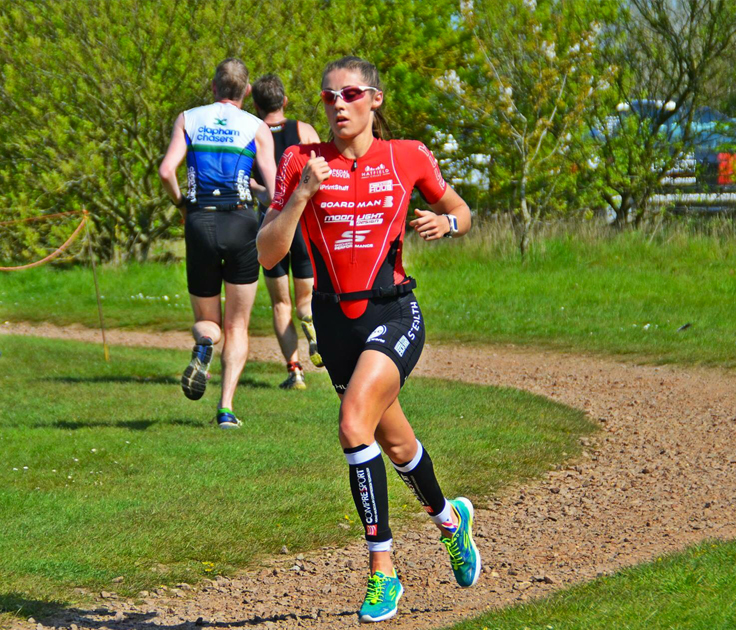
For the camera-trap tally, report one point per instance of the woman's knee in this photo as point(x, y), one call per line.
point(354, 429)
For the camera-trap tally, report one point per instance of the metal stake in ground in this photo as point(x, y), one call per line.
point(106, 350)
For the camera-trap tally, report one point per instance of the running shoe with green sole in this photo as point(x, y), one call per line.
point(381, 600)
point(464, 556)
point(194, 379)
point(314, 356)
point(226, 419)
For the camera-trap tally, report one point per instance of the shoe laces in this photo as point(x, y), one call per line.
point(376, 585)
point(456, 556)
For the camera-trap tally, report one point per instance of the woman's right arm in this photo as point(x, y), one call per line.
point(278, 228)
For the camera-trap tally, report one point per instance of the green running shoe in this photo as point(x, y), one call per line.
point(464, 556)
point(382, 598)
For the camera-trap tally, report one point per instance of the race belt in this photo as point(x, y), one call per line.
point(394, 290)
point(222, 207)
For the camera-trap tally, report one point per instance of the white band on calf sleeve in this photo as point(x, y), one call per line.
point(414, 461)
point(380, 546)
point(363, 455)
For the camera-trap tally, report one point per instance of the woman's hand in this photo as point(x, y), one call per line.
point(429, 225)
point(316, 170)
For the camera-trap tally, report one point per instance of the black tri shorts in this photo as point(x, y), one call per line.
point(297, 259)
point(221, 245)
point(393, 326)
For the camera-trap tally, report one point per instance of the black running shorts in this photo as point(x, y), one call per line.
point(220, 246)
point(297, 259)
point(393, 326)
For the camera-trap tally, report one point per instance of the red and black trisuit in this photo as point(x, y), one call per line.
point(354, 228)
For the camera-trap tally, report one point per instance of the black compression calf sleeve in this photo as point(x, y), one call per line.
point(370, 493)
point(418, 475)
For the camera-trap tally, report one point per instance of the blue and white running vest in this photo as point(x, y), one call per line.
point(221, 147)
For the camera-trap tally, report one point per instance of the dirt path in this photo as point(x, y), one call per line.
point(661, 475)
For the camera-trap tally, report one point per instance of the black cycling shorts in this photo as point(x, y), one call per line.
point(393, 326)
point(297, 259)
point(220, 246)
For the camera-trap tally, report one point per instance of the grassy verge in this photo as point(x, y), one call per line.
point(134, 296)
point(597, 291)
point(694, 590)
point(593, 291)
point(109, 471)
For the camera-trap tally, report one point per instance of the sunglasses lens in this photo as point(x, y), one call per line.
point(351, 94)
point(328, 97)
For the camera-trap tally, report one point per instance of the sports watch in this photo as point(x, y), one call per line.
point(453, 225)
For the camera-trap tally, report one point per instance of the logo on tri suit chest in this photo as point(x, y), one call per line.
point(339, 218)
point(361, 204)
point(339, 173)
point(344, 188)
point(375, 218)
point(377, 187)
point(353, 237)
point(375, 171)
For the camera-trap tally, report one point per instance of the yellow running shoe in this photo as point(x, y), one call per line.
point(295, 379)
point(311, 335)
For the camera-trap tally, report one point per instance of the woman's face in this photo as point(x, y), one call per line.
point(348, 120)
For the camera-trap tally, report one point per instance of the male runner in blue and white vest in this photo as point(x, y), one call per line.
point(270, 100)
point(221, 143)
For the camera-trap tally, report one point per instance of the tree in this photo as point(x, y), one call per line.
point(523, 95)
point(93, 87)
point(664, 57)
point(90, 88)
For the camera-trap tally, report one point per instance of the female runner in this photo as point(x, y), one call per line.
point(351, 196)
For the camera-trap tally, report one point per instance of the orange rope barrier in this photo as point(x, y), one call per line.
point(41, 218)
point(54, 254)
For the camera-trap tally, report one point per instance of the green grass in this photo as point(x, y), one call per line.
point(694, 590)
point(622, 294)
point(107, 470)
point(152, 296)
point(608, 293)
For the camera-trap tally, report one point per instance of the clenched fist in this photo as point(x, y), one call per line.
point(315, 172)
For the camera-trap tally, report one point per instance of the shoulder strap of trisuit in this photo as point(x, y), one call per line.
point(283, 139)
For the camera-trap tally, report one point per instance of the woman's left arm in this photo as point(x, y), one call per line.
point(431, 224)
